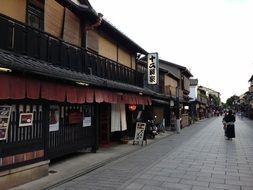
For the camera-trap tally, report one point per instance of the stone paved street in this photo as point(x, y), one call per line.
point(197, 159)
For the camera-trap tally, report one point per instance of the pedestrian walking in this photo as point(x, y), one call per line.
point(229, 120)
point(224, 124)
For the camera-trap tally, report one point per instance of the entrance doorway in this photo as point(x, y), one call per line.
point(104, 123)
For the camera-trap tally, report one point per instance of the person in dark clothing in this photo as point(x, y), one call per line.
point(224, 124)
point(147, 117)
point(230, 125)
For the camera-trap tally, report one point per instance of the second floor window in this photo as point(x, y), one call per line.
point(35, 14)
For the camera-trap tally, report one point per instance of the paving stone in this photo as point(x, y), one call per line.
point(156, 188)
point(246, 188)
point(147, 176)
point(225, 186)
point(149, 182)
point(167, 179)
point(239, 174)
point(225, 176)
point(195, 182)
point(239, 182)
point(210, 179)
point(177, 186)
point(246, 178)
point(134, 186)
point(203, 188)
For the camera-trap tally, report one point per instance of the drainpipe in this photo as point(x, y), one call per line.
point(63, 23)
point(96, 24)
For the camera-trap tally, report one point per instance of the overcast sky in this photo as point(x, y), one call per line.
point(212, 38)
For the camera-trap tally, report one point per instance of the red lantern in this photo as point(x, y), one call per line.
point(132, 107)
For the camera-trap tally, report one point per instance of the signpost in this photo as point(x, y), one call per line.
point(139, 133)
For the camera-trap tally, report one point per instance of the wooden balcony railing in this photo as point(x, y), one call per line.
point(23, 39)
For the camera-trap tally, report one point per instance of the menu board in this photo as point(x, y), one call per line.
point(139, 132)
point(54, 114)
point(5, 113)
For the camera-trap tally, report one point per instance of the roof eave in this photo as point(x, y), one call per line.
point(109, 29)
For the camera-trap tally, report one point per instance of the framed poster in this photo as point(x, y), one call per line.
point(3, 134)
point(139, 131)
point(5, 113)
point(54, 114)
point(4, 122)
point(25, 119)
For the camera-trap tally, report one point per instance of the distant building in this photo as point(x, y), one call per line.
point(204, 101)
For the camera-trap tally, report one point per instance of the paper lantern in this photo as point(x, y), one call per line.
point(132, 107)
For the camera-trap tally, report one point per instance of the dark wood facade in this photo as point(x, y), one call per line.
point(54, 64)
point(23, 39)
point(71, 80)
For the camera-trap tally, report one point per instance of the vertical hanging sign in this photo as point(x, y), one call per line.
point(153, 68)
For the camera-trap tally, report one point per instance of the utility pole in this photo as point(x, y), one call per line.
point(177, 111)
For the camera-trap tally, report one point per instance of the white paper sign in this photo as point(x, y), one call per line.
point(86, 121)
point(54, 118)
point(139, 131)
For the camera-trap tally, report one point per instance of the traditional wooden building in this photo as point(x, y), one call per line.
point(160, 100)
point(198, 102)
point(67, 77)
point(204, 102)
point(177, 86)
point(173, 85)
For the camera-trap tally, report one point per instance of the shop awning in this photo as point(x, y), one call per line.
point(161, 101)
point(16, 87)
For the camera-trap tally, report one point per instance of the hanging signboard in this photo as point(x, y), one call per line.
point(25, 119)
point(75, 117)
point(5, 113)
point(139, 132)
point(153, 68)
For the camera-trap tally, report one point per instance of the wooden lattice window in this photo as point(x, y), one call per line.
point(35, 13)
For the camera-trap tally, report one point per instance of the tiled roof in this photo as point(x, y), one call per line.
point(251, 79)
point(22, 63)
